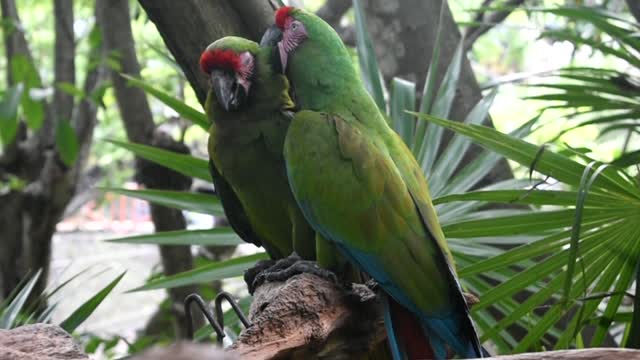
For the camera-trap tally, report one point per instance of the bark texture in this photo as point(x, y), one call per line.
point(140, 128)
point(404, 36)
point(200, 22)
point(28, 216)
point(307, 317)
point(39, 342)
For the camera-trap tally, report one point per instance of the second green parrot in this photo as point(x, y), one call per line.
point(371, 198)
point(249, 106)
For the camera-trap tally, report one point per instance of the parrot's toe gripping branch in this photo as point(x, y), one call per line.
point(217, 321)
point(251, 274)
point(289, 267)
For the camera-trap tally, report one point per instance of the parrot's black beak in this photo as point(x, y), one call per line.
point(231, 96)
point(271, 38)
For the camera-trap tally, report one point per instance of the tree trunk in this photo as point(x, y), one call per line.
point(404, 36)
point(188, 26)
point(140, 128)
point(28, 216)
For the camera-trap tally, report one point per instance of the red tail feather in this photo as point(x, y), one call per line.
point(409, 332)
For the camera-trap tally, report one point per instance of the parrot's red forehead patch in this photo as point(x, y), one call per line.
point(282, 14)
point(220, 59)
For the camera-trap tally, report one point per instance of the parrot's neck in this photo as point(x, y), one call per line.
point(321, 74)
point(332, 85)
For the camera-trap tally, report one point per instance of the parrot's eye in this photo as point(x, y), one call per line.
point(294, 26)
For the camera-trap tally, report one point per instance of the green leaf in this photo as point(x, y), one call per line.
point(200, 203)
point(369, 69)
point(633, 340)
point(95, 37)
point(205, 274)
point(550, 163)
point(452, 156)
point(441, 108)
point(625, 272)
point(186, 111)
point(428, 92)
point(403, 98)
point(71, 89)
point(98, 93)
point(530, 223)
point(599, 19)
point(166, 57)
point(25, 72)
point(533, 197)
point(182, 163)
point(9, 113)
point(85, 310)
point(9, 314)
point(583, 190)
point(215, 237)
point(67, 142)
point(627, 159)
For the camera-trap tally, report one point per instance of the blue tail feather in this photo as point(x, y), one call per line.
point(440, 330)
point(391, 334)
point(448, 330)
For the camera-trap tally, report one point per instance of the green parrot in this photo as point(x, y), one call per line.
point(250, 110)
point(360, 187)
point(249, 107)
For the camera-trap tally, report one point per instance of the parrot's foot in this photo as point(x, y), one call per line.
point(287, 268)
point(251, 274)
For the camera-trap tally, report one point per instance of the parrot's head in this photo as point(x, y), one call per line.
point(313, 56)
point(291, 21)
point(229, 64)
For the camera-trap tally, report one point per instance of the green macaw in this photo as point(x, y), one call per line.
point(249, 106)
point(250, 110)
point(360, 187)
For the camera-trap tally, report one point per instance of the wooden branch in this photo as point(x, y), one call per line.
point(308, 317)
point(489, 21)
point(140, 128)
point(132, 102)
point(64, 64)
point(15, 41)
point(583, 354)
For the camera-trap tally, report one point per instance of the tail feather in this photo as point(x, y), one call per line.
point(450, 331)
point(412, 337)
point(407, 338)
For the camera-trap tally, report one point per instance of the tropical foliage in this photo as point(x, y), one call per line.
point(560, 253)
point(15, 310)
point(606, 97)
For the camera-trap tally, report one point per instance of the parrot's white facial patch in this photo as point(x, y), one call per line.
point(245, 70)
point(294, 34)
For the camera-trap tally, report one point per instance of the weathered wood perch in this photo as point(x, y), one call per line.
point(307, 317)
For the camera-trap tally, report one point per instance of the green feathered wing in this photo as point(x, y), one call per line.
point(373, 202)
point(360, 187)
